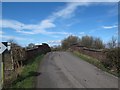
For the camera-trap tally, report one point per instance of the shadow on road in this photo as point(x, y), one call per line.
point(31, 74)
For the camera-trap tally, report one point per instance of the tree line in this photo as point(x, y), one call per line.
point(88, 41)
point(111, 50)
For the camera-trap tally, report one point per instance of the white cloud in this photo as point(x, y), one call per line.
point(54, 42)
point(12, 37)
point(1, 32)
point(27, 28)
point(30, 28)
point(82, 33)
point(109, 27)
point(102, 28)
point(38, 43)
point(11, 24)
point(51, 42)
point(43, 26)
point(69, 9)
point(47, 24)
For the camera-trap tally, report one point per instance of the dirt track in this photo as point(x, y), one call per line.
point(63, 70)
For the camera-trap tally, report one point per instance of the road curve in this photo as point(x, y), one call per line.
point(63, 70)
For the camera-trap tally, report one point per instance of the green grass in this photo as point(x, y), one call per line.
point(27, 79)
point(94, 61)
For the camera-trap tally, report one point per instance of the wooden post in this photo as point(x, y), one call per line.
point(2, 71)
point(3, 48)
point(3, 68)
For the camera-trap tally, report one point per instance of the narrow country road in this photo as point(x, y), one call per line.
point(63, 70)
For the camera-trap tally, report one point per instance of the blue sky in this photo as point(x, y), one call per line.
point(51, 22)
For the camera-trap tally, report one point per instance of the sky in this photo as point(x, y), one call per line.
point(51, 22)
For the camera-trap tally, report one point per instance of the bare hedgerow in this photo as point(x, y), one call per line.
point(112, 59)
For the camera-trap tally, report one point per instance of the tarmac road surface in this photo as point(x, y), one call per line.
point(64, 70)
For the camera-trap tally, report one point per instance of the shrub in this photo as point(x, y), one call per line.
point(112, 59)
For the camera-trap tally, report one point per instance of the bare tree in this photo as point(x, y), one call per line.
point(17, 54)
point(87, 41)
point(98, 43)
point(112, 43)
point(67, 42)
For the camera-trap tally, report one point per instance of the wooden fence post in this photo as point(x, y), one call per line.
point(1, 72)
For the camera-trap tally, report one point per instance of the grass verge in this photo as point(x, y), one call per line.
point(27, 79)
point(94, 61)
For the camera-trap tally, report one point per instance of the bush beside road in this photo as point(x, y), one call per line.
point(94, 61)
point(28, 76)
